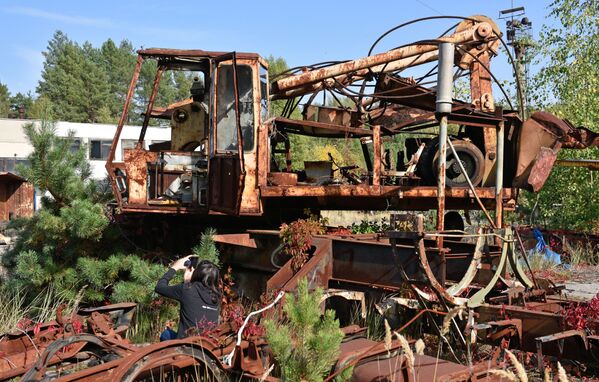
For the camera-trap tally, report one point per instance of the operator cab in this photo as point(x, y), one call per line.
point(209, 163)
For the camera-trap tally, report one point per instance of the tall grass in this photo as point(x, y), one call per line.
point(16, 305)
point(582, 254)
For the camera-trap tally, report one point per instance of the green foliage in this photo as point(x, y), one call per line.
point(303, 148)
point(4, 101)
point(207, 250)
point(73, 80)
point(69, 244)
point(367, 226)
point(83, 83)
point(567, 85)
point(306, 345)
point(54, 167)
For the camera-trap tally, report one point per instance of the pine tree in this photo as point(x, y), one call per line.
point(69, 243)
point(4, 101)
point(118, 62)
point(207, 250)
point(306, 345)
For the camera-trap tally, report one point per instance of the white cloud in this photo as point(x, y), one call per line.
point(79, 20)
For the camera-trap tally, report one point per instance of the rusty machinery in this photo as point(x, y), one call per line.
point(221, 161)
point(220, 158)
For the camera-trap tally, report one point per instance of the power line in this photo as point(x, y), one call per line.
point(429, 7)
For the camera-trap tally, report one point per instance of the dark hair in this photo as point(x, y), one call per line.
point(208, 275)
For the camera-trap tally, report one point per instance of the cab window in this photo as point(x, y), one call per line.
point(226, 125)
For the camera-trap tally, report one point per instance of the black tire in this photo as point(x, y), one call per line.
point(471, 157)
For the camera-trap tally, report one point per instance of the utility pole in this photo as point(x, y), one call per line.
point(519, 37)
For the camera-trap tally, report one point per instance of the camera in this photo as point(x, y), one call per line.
point(192, 262)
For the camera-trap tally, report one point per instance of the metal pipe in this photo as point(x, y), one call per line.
point(146, 121)
point(123, 118)
point(408, 62)
point(445, 78)
point(443, 107)
point(468, 35)
point(480, 203)
point(499, 174)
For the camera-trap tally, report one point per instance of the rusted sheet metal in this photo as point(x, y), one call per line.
point(16, 197)
point(166, 53)
point(541, 138)
point(136, 166)
point(21, 350)
point(474, 33)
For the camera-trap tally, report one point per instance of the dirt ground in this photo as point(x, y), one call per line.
point(583, 283)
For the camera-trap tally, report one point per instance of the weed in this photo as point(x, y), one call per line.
point(18, 310)
point(582, 254)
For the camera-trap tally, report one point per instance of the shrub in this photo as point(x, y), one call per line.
point(305, 344)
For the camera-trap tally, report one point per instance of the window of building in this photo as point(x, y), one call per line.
point(99, 149)
point(75, 145)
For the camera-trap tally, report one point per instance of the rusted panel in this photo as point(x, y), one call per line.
point(241, 239)
point(136, 167)
point(16, 197)
point(542, 167)
point(189, 125)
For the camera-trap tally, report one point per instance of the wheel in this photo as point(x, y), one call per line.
point(471, 157)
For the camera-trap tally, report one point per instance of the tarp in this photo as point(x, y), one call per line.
point(543, 248)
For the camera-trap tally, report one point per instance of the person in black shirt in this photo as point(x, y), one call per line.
point(198, 295)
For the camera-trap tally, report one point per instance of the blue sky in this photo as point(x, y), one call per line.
point(302, 32)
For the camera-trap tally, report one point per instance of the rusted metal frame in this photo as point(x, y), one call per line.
point(468, 35)
point(360, 132)
point(377, 149)
point(559, 337)
point(417, 316)
point(169, 53)
point(40, 366)
point(514, 323)
point(239, 134)
point(347, 79)
point(472, 188)
point(532, 274)
point(147, 116)
point(123, 118)
point(464, 283)
point(348, 295)
point(591, 164)
point(479, 297)
point(110, 160)
point(517, 268)
point(130, 366)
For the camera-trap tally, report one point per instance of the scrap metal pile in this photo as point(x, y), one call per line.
point(416, 289)
point(470, 291)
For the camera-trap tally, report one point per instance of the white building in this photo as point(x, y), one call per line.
point(14, 147)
